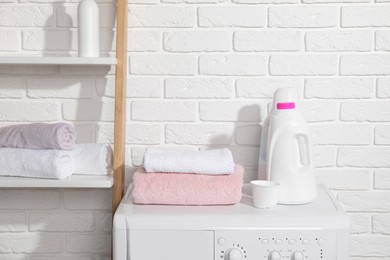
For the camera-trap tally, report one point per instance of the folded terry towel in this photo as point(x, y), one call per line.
point(50, 164)
point(92, 159)
point(60, 136)
point(188, 161)
point(187, 189)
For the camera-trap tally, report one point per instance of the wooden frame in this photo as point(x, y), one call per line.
point(120, 103)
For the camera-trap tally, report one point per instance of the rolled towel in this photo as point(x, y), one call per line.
point(187, 189)
point(92, 159)
point(40, 136)
point(48, 164)
point(189, 161)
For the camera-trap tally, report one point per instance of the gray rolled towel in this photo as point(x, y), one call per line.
point(38, 136)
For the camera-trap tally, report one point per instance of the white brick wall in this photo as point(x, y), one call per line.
point(327, 41)
point(232, 16)
point(371, 111)
point(382, 40)
point(264, 87)
point(248, 65)
point(50, 40)
point(202, 74)
point(341, 179)
point(365, 16)
point(383, 87)
point(199, 88)
point(302, 16)
point(375, 64)
point(267, 41)
point(14, 43)
point(29, 111)
point(135, 134)
point(339, 88)
point(360, 223)
point(162, 64)
point(27, 16)
point(199, 134)
point(304, 65)
point(143, 41)
point(60, 87)
point(381, 179)
point(182, 111)
point(197, 41)
point(11, 87)
point(325, 134)
point(160, 16)
point(37, 223)
point(229, 111)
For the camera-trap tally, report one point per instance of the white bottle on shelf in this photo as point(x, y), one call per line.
point(88, 28)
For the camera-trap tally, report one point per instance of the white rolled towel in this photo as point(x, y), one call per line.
point(48, 164)
point(218, 161)
point(92, 159)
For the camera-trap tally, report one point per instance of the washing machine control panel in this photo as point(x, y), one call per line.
point(268, 244)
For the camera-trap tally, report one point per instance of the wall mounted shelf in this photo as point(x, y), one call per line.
point(75, 181)
point(33, 60)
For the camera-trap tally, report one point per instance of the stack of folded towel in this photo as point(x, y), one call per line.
point(188, 177)
point(49, 151)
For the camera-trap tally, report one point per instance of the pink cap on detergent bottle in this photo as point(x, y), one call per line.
point(284, 98)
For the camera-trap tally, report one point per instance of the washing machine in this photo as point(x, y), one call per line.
point(314, 231)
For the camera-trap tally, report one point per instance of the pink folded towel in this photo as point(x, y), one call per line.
point(187, 188)
point(38, 136)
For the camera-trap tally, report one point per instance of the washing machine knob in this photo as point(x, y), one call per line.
point(274, 255)
point(297, 255)
point(234, 254)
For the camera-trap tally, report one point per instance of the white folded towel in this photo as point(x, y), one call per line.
point(188, 161)
point(92, 159)
point(49, 164)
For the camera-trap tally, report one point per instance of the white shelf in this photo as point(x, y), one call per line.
point(57, 60)
point(75, 181)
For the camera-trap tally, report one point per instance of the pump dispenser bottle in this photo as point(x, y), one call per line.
point(285, 155)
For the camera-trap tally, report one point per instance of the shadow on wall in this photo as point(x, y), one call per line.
point(59, 40)
point(244, 141)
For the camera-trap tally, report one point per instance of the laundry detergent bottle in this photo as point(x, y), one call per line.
point(287, 157)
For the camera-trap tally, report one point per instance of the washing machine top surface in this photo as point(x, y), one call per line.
point(323, 213)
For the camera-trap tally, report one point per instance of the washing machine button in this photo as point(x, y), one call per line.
point(305, 242)
point(321, 241)
point(297, 255)
point(221, 241)
point(265, 241)
point(234, 254)
point(292, 242)
point(278, 241)
point(274, 255)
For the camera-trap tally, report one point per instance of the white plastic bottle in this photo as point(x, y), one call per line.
point(289, 158)
point(88, 28)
